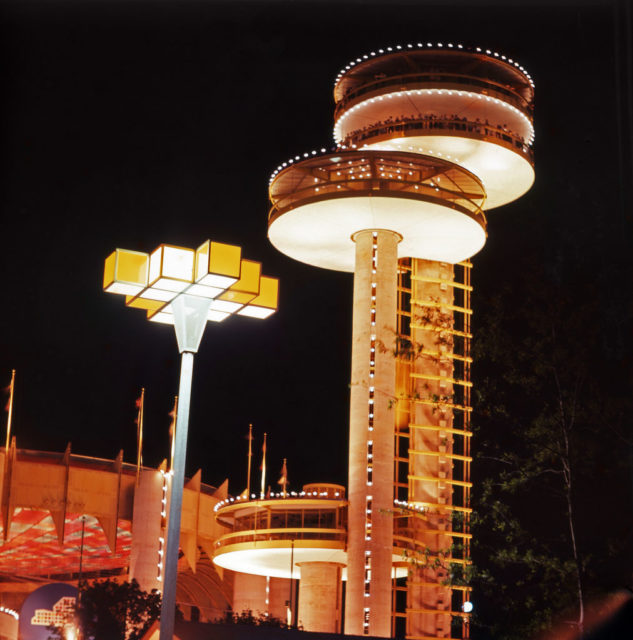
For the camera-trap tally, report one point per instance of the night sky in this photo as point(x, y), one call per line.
point(130, 124)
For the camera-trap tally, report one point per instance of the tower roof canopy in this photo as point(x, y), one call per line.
point(443, 65)
point(321, 202)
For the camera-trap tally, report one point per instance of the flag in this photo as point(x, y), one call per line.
point(263, 468)
point(283, 481)
point(9, 391)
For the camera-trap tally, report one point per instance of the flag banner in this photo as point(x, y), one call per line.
point(283, 480)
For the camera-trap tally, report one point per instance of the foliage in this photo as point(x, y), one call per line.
point(114, 610)
point(552, 409)
point(247, 618)
point(456, 573)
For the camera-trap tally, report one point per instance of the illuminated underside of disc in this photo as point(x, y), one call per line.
point(320, 233)
point(275, 562)
point(506, 175)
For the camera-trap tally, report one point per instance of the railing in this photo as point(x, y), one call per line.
point(256, 499)
point(378, 173)
point(438, 126)
point(269, 535)
point(443, 80)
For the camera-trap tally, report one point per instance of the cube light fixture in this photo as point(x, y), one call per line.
point(186, 288)
point(215, 271)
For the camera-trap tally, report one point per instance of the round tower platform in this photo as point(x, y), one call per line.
point(472, 107)
point(434, 205)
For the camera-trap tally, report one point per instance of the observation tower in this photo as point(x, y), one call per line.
point(428, 136)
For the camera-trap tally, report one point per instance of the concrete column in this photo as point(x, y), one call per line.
point(8, 627)
point(279, 594)
point(431, 318)
point(249, 594)
point(320, 597)
point(147, 529)
point(372, 417)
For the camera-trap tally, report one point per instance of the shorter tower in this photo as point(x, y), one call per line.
point(275, 541)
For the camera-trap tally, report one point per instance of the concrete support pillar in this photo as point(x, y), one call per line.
point(147, 530)
point(249, 594)
point(8, 627)
point(278, 596)
point(370, 522)
point(430, 475)
point(320, 597)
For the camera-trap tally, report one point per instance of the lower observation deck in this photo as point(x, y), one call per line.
point(273, 536)
point(319, 203)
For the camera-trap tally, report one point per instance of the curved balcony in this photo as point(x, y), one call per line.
point(475, 130)
point(281, 538)
point(450, 70)
point(390, 174)
point(319, 203)
point(267, 536)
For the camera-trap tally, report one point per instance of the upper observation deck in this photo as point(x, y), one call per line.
point(472, 105)
point(319, 203)
point(452, 68)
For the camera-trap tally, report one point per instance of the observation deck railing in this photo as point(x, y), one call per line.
point(280, 498)
point(435, 80)
point(377, 173)
point(304, 535)
point(441, 126)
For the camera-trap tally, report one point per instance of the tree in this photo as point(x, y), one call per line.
point(552, 412)
point(114, 610)
point(247, 617)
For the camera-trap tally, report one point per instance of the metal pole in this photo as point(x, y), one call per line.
point(292, 569)
point(168, 606)
point(250, 457)
point(79, 579)
point(10, 409)
point(81, 548)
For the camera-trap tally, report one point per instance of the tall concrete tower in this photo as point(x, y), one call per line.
point(428, 137)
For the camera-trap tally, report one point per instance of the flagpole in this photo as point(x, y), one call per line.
point(139, 435)
point(250, 457)
point(10, 409)
point(263, 487)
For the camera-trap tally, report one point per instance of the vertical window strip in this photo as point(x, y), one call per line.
point(370, 428)
point(163, 527)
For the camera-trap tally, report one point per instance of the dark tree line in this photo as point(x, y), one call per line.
point(553, 467)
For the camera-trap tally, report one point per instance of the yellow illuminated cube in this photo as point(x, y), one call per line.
point(126, 272)
point(266, 302)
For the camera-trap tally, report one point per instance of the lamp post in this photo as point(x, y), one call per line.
point(186, 288)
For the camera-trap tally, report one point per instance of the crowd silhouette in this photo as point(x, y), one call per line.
point(428, 122)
